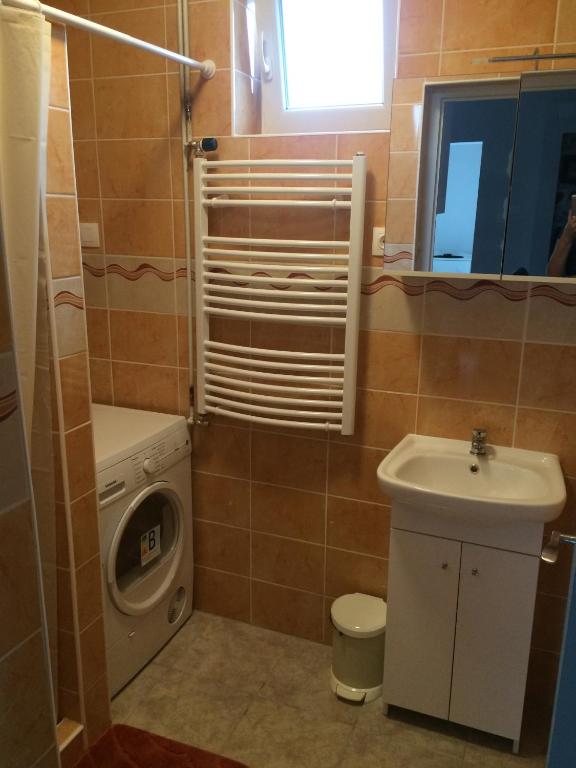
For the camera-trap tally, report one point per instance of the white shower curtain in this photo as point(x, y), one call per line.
point(24, 95)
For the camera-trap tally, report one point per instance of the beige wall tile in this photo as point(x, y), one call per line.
point(97, 710)
point(470, 24)
point(548, 431)
point(457, 418)
point(80, 458)
point(222, 547)
point(101, 381)
point(67, 663)
point(58, 68)
point(290, 563)
point(150, 233)
point(79, 61)
point(382, 418)
point(84, 516)
point(350, 572)
point(548, 376)
point(358, 526)
point(288, 512)
point(388, 361)
point(86, 169)
point(481, 308)
point(352, 472)
point(291, 461)
point(209, 31)
point(18, 597)
point(83, 117)
point(135, 284)
point(26, 714)
point(143, 337)
point(403, 174)
point(405, 128)
point(60, 164)
point(89, 592)
point(457, 367)
point(93, 650)
point(418, 65)
point(400, 218)
point(63, 236)
point(212, 115)
point(110, 58)
point(98, 332)
point(287, 610)
point(222, 451)
point(149, 164)
point(420, 26)
point(148, 387)
point(131, 107)
point(551, 315)
point(376, 147)
point(223, 593)
point(221, 499)
point(75, 390)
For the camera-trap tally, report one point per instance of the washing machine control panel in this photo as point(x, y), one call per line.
point(158, 457)
point(143, 467)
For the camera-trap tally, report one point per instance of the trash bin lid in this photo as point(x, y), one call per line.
point(359, 615)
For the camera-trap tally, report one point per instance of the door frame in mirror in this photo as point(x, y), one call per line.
point(435, 95)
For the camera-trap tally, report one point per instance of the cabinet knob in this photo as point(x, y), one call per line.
point(444, 566)
point(475, 571)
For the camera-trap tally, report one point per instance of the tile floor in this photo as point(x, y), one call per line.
point(264, 698)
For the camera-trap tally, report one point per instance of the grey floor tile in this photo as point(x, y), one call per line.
point(176, 706)
point(264, 698)
point(273, 735)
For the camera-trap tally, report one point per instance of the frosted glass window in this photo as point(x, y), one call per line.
point(333, 53)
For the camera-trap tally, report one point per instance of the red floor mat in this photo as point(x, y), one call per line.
point(125, 747)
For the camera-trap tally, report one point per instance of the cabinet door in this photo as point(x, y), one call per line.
point(493, 632)
point(422, 599)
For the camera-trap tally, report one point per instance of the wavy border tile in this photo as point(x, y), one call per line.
point(471, 291)
point(554, 293)
point(8, 405)
point(69, 298)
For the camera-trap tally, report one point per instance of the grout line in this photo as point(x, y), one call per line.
point(288, 538)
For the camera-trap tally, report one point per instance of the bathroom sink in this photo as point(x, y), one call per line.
point(505, 485)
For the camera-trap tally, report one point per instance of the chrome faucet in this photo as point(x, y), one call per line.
point(478, 447)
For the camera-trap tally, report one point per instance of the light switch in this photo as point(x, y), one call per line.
point(89, 235)
point(378, 239)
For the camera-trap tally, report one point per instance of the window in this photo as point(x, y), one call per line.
point(327, 65)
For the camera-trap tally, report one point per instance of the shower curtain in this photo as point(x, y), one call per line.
point(24, 94)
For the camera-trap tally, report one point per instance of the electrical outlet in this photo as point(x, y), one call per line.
point(378, 238)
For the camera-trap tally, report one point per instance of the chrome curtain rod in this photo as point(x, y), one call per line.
point(526, 57)
point(207, 67)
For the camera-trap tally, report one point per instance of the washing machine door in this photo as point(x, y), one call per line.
point(146, 550)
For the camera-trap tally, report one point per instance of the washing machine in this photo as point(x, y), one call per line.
point(145, 515)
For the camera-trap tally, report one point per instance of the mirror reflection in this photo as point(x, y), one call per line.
point(541, 232)
point(497, 186)
point(466, 158)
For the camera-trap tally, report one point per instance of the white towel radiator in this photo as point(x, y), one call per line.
point(308, 282)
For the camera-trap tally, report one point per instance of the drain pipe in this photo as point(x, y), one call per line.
point(186, 119)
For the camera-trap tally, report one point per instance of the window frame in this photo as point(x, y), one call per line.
point(278, 120)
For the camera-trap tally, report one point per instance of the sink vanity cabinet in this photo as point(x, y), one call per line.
point(459, 627)
point(464, 558)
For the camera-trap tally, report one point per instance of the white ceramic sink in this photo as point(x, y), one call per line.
point(505, 485)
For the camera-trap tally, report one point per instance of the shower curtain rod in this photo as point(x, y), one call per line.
point(207, 67)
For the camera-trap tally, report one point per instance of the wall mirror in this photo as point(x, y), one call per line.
point(497, 177)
